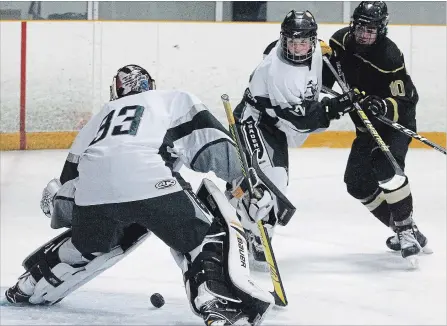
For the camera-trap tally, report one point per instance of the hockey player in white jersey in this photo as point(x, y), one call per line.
point(120, 182)
point(281, 107)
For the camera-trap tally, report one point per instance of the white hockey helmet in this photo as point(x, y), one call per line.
point(129, 80)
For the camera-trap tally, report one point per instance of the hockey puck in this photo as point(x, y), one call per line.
point(157, 300)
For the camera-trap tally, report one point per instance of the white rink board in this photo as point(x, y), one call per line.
point(71, 64)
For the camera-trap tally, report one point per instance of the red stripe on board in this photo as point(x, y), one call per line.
point(23, 87)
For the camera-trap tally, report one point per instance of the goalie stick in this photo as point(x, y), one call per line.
point(278, 288)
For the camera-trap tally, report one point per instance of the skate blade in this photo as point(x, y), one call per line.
point(241, 322)
point(413, 261)
point(5, 303)
point(426, 250)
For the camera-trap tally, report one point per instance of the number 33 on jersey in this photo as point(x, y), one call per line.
point(138, 140)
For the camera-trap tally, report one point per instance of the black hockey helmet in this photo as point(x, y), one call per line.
point(298, 36)
point(129, 80)
point(369, 23)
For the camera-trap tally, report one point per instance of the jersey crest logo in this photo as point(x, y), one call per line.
point(299, 110)
point(311, 90)
point(165, 184)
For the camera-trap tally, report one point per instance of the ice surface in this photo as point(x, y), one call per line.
point(332, 255)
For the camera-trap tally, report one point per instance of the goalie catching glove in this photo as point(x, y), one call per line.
point(259, 207)
point(48, 194)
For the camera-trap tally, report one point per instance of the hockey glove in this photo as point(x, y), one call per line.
point(342, 104)
point(258, 207)
point(375, 104)
point(48, 194)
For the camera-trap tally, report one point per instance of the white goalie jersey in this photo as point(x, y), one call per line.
point(132, 149)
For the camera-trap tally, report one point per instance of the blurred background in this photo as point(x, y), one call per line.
point(57, 58)
point(404, 12)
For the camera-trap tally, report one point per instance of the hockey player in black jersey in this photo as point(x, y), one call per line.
point(371, 62)
point(281, 107)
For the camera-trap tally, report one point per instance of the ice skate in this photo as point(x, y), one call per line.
point(394, 244)
point(410, 247)
point(219, 312)
point(16, 296)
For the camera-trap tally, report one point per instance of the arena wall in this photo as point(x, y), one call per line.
point(54, 75)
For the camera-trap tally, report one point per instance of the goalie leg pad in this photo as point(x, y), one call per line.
point(255, 300)
point(58, 268)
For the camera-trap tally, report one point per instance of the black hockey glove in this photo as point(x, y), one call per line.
point(342, 104)
point(375, 104)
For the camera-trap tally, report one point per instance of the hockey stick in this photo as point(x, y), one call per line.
point(278, 288)
point(412, 134)
point(399, 177)
point(399, 127)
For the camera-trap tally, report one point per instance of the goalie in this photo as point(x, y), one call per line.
point(120, 182)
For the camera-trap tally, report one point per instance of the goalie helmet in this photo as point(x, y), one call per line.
point(368, 24)
point(298, 36)
point(129, 80)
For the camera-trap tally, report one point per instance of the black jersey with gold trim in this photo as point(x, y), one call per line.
point(381, 71)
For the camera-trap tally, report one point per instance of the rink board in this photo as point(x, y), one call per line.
point(329, 139)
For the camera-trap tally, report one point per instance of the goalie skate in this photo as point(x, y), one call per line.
point(16, 296)
point(219, 312)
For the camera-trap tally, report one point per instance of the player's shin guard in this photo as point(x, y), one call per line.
point(216, 273)
point(57, 268)
point(400, 201)
point(377, 205)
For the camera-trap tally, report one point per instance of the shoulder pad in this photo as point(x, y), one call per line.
point(339, 38)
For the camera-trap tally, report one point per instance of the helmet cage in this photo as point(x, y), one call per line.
point(292, 56)
point(297, 27)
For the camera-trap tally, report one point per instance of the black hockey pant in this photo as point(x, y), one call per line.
point(176, 219)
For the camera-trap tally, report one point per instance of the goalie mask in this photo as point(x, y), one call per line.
point(298, 36)
point(130, 80)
